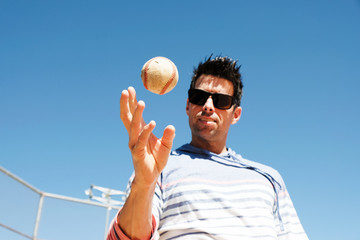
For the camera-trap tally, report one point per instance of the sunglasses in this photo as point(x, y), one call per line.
point(220, 101)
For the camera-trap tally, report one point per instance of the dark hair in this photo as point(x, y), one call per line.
point(223, 67)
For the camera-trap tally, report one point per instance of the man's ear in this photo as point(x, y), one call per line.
point(237, 115)
point(187, 107)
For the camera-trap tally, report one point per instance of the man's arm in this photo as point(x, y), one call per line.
point(135, 218)
point(149, 155)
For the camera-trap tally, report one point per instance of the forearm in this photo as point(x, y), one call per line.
point(135, 218)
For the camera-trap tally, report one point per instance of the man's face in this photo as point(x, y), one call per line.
point(209, 125)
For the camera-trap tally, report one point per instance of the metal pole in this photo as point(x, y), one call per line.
point(15, 231)
point(107, 222)
point(38, 216)
point(71, 199)
point(16, 178)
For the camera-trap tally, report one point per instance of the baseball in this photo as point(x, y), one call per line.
point(159, 75)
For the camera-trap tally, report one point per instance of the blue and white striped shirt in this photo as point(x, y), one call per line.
point(202, 195)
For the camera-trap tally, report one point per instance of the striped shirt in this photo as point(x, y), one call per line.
point(202, 195)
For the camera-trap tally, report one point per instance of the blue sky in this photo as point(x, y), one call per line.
point(64, 64)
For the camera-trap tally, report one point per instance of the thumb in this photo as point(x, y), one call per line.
point(168, 137)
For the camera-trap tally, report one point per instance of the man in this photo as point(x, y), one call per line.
point(202, 190)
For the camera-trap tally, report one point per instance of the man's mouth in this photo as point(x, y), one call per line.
point(207, 120)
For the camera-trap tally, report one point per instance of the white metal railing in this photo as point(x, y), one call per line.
point(105, 201)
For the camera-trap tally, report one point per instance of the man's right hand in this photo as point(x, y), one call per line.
point(149, 155)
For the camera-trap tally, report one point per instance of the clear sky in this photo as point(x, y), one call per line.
point(63, 65)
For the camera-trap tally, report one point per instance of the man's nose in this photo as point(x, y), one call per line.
point(209, 105)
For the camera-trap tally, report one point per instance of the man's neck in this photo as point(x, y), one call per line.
point(215, 147)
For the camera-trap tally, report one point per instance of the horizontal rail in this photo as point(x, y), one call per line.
point(15, 231)
point(56, 196)
point(16, 178)
point(78, 200)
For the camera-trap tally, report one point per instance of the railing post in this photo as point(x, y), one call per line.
point(107, 222)
point(38, 216)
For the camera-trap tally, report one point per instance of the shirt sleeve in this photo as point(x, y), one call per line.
point(115, 232)
point(288, 226)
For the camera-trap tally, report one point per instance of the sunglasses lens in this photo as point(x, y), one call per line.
point(222, 101)
point(199, 97)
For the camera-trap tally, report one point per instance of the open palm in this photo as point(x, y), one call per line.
point(149, 153)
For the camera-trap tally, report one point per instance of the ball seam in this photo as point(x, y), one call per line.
point(171, 79)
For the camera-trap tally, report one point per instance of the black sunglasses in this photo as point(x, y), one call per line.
point(221, 101)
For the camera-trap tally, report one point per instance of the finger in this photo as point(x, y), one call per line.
point(125, 113)
point(132, 99)
point(135, 126)
point(145, 135)
point(133, 102)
